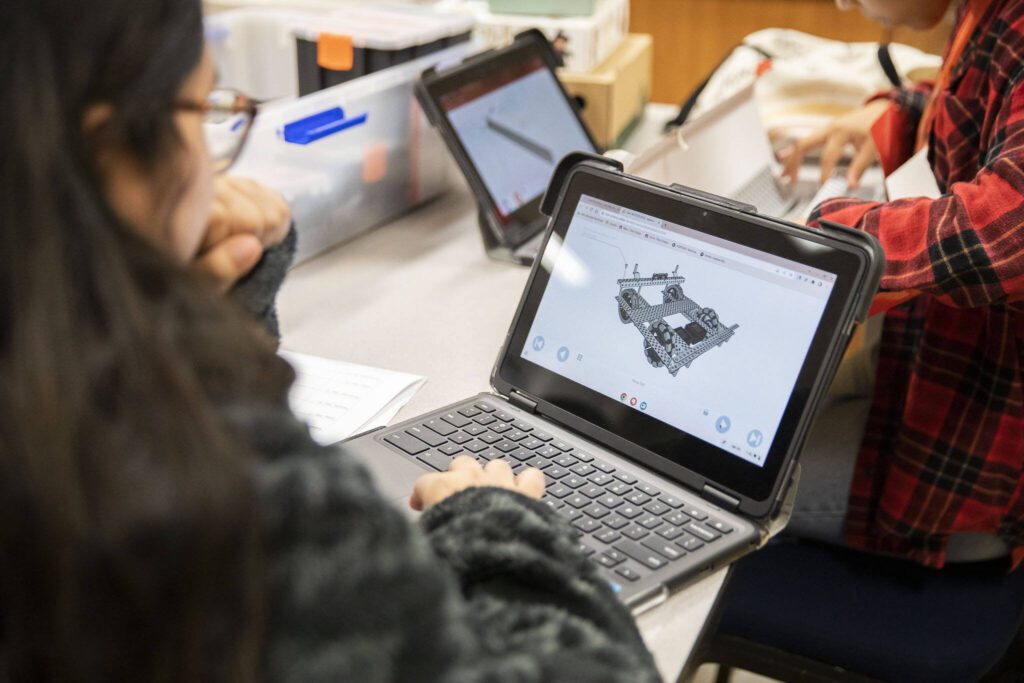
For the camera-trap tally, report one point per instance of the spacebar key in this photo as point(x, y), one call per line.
point(644, 556)
point(407, 442)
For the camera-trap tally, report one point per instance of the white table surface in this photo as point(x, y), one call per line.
point(419, 295)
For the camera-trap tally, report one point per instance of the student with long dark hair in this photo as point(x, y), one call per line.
point(163, 516)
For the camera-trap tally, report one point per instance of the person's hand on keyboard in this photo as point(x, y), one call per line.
point(464, 472)
point(850, 129)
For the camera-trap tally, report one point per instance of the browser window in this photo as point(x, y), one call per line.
point(703, 334)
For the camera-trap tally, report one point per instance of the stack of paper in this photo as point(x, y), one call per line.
point(339, 399)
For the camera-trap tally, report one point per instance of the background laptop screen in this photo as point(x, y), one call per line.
point(702, 334)
point(515, 125)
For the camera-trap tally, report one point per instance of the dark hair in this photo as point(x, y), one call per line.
point(129, 545)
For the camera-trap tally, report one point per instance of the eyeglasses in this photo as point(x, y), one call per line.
point(227, 120)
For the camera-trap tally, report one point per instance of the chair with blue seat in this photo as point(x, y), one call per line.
point(804, 612)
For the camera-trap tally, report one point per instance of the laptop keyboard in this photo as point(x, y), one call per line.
point(763, 192)
point(625, 524)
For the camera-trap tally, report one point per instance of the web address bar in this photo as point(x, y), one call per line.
point(658, 225)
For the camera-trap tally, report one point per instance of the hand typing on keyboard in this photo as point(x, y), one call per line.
point(852, 129)
point(464, 472)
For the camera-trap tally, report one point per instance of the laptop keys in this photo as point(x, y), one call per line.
point(577, 501)
point(669, 532)
point(676, 518)
point(637, 498)
point(657, 508)
point(583, 469)
point(671, 501)
point(427, 436)
point(629, 511)
point(437, 461)
point(455, 419)
point(649, 522)
point(611, 559)
point(663, 548)
point(406, 442)
point(625, 477)
point(450, 449)
point(644, 556)
point(702, 532)
point(583, 457)
point(648, 489)
point(689, 543)
point(718, 525)
point(570, 513)
point(574, 481)
point(627, 573)
point(563, 460)
point(440, 426)
point(558, 491)
point(630, 518)
point(586, 525)
point(698, 515)
point(616, 522)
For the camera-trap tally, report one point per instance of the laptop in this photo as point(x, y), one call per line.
point(727, 151)
point(507, 121)
point(665, 361)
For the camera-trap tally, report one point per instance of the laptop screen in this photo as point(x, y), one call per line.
point(702, 334)
point(515, 124)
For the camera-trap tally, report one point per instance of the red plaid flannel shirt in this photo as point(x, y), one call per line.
point(943, 450)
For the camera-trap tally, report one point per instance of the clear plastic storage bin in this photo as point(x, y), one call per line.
point(255, 50)
point(337, 47)
point(351, 157)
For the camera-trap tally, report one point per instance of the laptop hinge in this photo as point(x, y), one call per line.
point(520, 401)
point(723, 499)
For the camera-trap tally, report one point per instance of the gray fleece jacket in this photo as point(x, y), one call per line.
point(487, 587)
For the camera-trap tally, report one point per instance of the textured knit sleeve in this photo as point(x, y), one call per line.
point(257, 291)
point(493, 591)
point(531, 595)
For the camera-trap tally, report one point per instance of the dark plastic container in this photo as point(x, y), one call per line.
point(364, 39)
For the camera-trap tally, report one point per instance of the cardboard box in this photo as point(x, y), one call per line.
point(586, 42)
point(615, 93)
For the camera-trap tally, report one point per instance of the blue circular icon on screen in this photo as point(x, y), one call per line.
point(643, 406)
point(563, 354)
point(754, 438)
point(538, 343)
point(723, 424)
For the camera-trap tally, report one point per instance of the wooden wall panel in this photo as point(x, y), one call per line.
point(691, 36)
